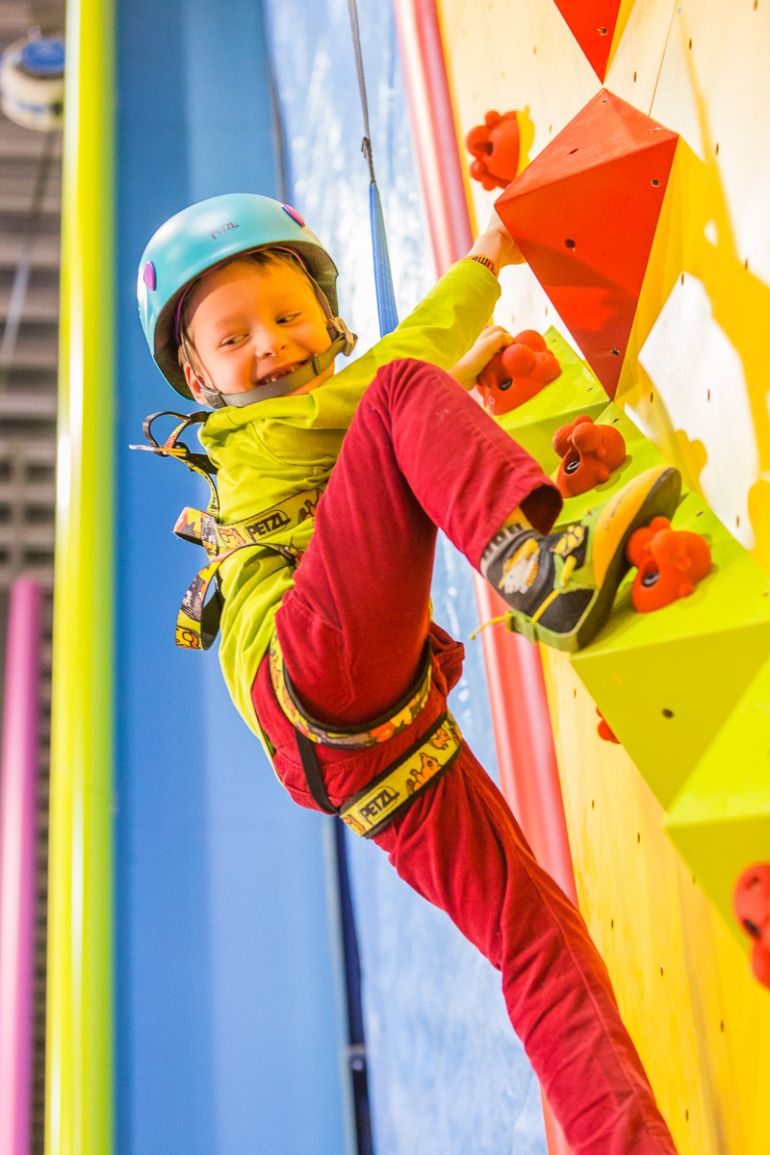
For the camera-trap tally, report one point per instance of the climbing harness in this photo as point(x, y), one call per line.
point(181, 250)
point(370, 810)
point(198, 619)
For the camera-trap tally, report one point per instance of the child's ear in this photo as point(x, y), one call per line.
point(193, 382)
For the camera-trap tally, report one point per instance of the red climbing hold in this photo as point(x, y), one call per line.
point(670, 564)
point(584, 214)
point(751, 903)
point(517, 373)
point(603, 729)
point(495, 148)
point(760, 963)
point(589, 454)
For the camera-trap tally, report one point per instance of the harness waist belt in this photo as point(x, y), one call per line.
point(204, 528)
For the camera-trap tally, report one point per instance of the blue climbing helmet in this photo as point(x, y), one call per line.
point(206, 234)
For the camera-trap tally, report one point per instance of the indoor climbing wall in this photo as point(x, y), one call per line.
point(643, 173)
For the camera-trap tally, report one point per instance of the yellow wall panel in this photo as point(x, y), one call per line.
point(700, 332)
point(696, 380)
point(701, 1022)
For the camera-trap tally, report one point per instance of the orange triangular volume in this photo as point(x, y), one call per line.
point(584, 215)
point(592, 23)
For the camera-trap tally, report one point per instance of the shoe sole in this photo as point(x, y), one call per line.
point(634, 506)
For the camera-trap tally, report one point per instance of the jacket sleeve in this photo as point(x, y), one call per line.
point(442, 328)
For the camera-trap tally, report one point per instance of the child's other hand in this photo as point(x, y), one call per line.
point(491, 341)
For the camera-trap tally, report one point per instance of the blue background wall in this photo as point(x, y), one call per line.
point(228, 1001)
point(229, 993)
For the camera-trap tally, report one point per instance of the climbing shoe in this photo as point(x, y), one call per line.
point(561, 586)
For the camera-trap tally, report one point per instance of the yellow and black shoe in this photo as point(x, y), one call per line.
point(561, 586)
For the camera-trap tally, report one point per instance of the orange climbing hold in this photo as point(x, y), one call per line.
point(589, 453)
point(592, 23)
point(495, 148)
point(670, 564)
point(584, 214)
point(517, 373)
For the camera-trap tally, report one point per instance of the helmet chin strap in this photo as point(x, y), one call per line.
point(343, 341)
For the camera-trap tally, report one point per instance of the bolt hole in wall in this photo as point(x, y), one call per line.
point(445, 1071)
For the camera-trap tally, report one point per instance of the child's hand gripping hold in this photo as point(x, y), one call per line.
point(491, 340)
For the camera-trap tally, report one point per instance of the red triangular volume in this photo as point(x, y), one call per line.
point(584, 215)
point(592, 23)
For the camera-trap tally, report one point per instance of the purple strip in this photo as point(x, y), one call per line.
point(18, 774)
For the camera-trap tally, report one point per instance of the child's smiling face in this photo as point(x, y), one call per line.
point(250, 324)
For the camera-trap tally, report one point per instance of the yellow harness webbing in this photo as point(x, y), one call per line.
point(197, 622)
point(379, 730)
point(202, 528)
point(368, 812)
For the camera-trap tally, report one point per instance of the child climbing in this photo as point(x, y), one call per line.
point(339, 481)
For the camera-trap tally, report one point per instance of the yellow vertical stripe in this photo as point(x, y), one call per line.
point(79, 1011)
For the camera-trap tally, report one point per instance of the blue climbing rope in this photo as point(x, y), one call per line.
point(383, 278)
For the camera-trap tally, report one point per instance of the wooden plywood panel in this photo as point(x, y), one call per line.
point(700, 1021)
point(698, 66)
point(497, 55)
point(634, 71)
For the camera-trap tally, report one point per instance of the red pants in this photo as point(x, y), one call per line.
point(421, 454)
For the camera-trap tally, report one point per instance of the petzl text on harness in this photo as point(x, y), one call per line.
point(197, 622)
point(369, 812)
